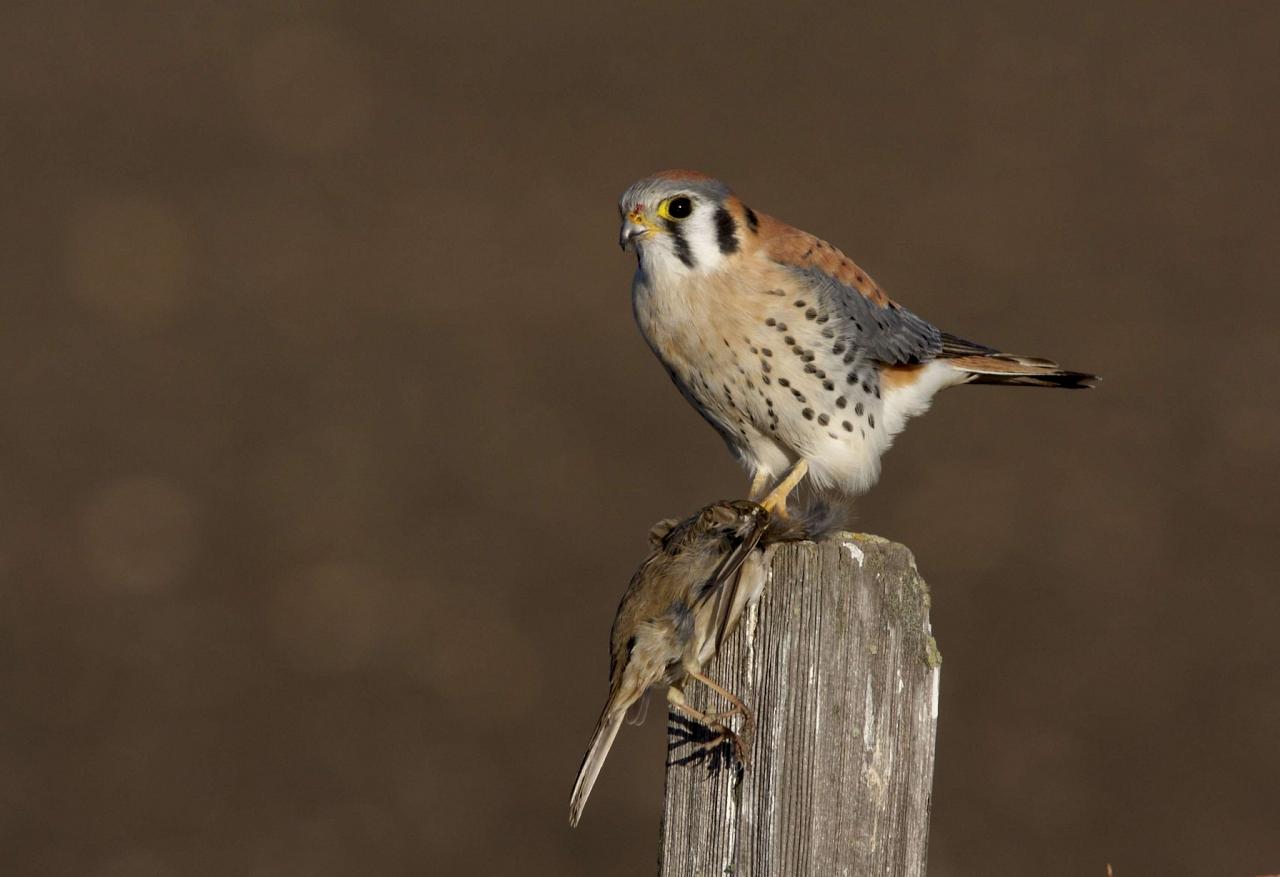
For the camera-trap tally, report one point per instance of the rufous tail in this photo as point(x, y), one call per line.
point(986, 365)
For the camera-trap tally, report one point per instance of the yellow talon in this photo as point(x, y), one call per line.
point(776, 502)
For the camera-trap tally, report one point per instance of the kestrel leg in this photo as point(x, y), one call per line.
point(776, 502)
point(759, 482)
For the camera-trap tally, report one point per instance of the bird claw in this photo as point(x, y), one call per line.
point(726, 737)
point(711, 741)
point(776, 502)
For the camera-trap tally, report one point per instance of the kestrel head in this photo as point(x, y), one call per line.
point(682, 221)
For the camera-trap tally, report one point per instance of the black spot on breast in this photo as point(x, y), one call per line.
point(764, 365)
point(799, 302)
point(799, 396)
point(824, 419)
point(810, 314)
point(726, 232)
point(771, 322)
point(788, 340)
point(808, 413)
point(810, 369)
point(828, 385)
point(848, 427)
point(871, 421)
point(828, 332)
point(782, 327)
point(783, 382)
point(766, 351)
point(841, 402)
point(837, 348)
point(852, 377)
point(866, 388)
point(858, 409)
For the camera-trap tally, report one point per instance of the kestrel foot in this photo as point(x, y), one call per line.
point(776, 502)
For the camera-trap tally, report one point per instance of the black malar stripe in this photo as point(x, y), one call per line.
point(683, 253)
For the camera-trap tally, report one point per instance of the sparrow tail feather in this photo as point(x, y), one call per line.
point(601, 743)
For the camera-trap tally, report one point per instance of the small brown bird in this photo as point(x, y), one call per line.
point(687, 596)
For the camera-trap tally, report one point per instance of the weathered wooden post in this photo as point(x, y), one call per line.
point(840, 668)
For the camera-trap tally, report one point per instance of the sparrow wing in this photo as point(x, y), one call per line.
point(722, 584)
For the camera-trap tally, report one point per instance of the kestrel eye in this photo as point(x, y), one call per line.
point(678, 208)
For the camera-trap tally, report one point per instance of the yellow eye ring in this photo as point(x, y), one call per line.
point(676, 208)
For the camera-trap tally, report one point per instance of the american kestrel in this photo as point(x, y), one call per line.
point(790, 350)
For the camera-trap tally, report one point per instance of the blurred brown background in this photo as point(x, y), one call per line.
point(328, 442)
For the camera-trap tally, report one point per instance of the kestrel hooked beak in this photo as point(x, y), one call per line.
point(635, 225)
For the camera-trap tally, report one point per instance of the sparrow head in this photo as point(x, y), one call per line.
point(707, 531)
point(683, 221)
point(736, 519)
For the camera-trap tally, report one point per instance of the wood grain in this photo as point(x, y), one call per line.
point(839, 666)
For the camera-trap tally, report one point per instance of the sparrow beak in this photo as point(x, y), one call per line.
point(634, 226)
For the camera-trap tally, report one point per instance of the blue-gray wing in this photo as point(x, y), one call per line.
point(890, 333)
